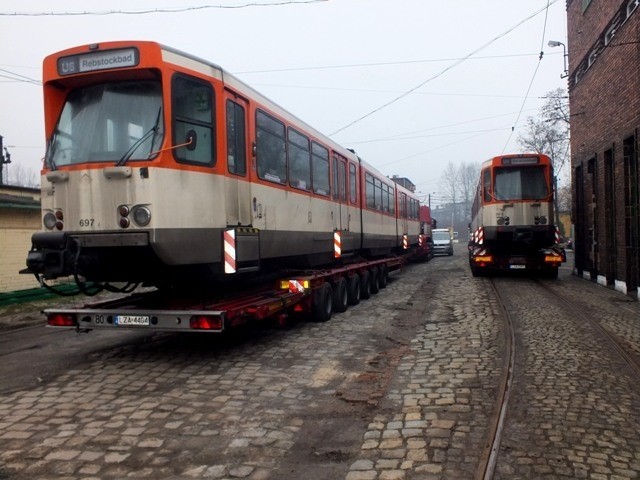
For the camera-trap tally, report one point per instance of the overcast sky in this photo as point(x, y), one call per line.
point(409, 84)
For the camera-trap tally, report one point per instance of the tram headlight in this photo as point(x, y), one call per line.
point(142, 216)
point(49, 220)
point(123, 210)
point(543, 220)
point(500, 221)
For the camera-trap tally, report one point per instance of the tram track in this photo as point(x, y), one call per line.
point(488, 463)
point(488, 459)
point(616, 344)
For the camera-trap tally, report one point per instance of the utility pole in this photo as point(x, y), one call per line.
point(5, 159)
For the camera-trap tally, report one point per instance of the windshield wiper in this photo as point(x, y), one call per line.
point(48, 158)
point(151, 133)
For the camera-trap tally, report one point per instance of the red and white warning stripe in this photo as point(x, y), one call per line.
point(557, 239)
point(480, 238)
point(230, 251)
point(405, 241)
point(295, 286)
point(337, 245)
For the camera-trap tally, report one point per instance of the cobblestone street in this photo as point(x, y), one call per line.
point(402, 386)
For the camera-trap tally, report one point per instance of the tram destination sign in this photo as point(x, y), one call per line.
point(90, 62)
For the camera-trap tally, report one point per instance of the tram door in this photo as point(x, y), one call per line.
point(237, 186)
point(341, 216)
point(403, 223)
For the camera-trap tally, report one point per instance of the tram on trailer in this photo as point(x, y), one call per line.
point(165, 169)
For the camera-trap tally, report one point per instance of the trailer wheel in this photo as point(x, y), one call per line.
point(340, 295)
point(375, 280)
point(365, 285)
point(384, 276)
point(323, 303)
point(550, 273)
point(475, 271)
point(353, 289)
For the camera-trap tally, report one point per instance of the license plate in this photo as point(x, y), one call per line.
point(136, 320)
point(517, 267)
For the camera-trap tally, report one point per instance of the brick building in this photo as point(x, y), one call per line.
point(604, 95)
point(19, 219)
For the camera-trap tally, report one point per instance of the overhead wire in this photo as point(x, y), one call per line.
point(19, 78)
point(364, 90)
point(440, 147)
point(439, 74)
point(403, 136)
point(533, 77)
point(381, 64)
point(157, 10)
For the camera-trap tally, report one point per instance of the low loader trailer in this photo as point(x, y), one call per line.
point(318, 293)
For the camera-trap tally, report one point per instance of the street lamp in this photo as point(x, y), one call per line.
point(555, 43)
point(432, 193)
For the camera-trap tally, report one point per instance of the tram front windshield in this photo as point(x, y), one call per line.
point(109, 122)
point(526, 183)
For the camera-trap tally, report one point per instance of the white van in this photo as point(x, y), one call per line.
point(442, 242)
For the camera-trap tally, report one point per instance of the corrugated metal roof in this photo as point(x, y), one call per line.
point(18, 202)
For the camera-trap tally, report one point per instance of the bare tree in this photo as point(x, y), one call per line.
point(458, 184)
point(449, 187)
point(21, 176)
point(468, 174)
point(548, 133)
point(564, 198)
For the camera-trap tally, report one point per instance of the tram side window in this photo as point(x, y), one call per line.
point(385, 197)
point(193, 107)
point(370, 191)
point(486, 185)
point(378, 193)
point(392, 200)
point(403, 205)
point(353, 192)
point(320, 169)
point(270, 148)
point(339, 179)
point(236, 139)
point(299, 160)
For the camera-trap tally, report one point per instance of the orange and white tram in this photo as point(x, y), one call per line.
point(164, 168)
point(513, 225)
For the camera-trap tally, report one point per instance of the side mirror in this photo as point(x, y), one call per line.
point(191, 139)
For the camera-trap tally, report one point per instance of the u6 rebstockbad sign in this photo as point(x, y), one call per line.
point(89, 62)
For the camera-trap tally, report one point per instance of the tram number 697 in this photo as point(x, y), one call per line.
point(86, 222)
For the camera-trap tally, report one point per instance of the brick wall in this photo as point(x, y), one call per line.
point(604, 88)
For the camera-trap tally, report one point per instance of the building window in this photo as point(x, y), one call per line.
point(611, 31)
point(592, 58)
point(585, 5)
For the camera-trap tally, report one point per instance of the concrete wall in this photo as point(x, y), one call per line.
point(19, 219)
